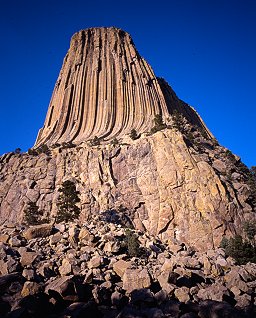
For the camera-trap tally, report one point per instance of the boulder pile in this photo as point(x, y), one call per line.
point(93, 270)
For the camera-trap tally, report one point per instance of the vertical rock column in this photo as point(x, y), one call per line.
point(105, 89)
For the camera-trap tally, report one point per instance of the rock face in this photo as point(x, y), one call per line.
point(164, 186)
point(105, 89)
point(174, 181)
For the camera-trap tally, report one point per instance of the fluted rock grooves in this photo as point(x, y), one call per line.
point(105, 89)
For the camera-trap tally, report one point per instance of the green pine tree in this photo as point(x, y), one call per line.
point(67, 208)
point(132, 243)
point(133, 134)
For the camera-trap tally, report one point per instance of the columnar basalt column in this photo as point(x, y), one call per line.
point(105, 89)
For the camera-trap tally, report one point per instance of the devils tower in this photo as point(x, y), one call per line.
point(105, 89)
point(174, 180)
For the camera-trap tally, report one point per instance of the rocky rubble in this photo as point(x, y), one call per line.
point(84, 270)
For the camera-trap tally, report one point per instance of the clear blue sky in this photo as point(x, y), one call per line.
point(205, 49)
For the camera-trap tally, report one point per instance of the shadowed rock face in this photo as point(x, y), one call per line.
point(105, 89)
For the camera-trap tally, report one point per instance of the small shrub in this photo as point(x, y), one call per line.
point(57, 145)
point(34, 216)
point(251, 178)
point(242, 251)
point(114, 142)
point(133, 134)
point(17, 151)
point(250, 229)
point(178, 120)
point(230, 156)
point(32, 152)
point(68, 144)
point(132, 244)
point(44, 149)
point(159, 124)
point(67, 208)
point(95, 141)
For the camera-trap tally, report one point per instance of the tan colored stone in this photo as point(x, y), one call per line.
point(65, 268)
point(120, 267)
point(27, 258)
point(182, 294)
point(215, 291)
point(59, 284)
point(233, 279)
point(163, 281)
point(85, 234)
point(55, 239)
point(42, 230)
point(118, 68)
point(136, 279)
point(95, 262)
point(30, 288)
point(4, 238)
point(3, 267)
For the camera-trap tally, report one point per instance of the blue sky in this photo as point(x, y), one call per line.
point(205, 49)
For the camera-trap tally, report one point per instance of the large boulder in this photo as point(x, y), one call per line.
point(42, 230)
point(136, 279)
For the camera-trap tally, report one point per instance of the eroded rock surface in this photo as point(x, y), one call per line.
point(105, 89)
point(161, 184)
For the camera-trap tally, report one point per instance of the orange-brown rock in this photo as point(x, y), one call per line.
point(105, 89)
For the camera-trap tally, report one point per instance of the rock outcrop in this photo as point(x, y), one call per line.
point(162, 185)
point(105, 89)
point(173, 180)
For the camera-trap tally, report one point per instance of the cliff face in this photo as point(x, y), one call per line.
point(105, 89)
point(162, 185)
point(177, 183)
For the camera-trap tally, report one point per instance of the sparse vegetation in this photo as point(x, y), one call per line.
point(241, 250)
point(202, 132)
point(178, 120)
point(251, 182)
point(229, 155)
point(34, 216)
point(68, 144)
point(17, 151)
point(253, 172)
point(159, 124)
point(132, 244)
point(134, 135)
point(114, 142)
point(95, 141)
point(32, 152)
point(67, 208)
point(250, 230)
point(42, 149)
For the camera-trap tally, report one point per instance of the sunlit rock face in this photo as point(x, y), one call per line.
point(175, 182)
point(105, 89)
